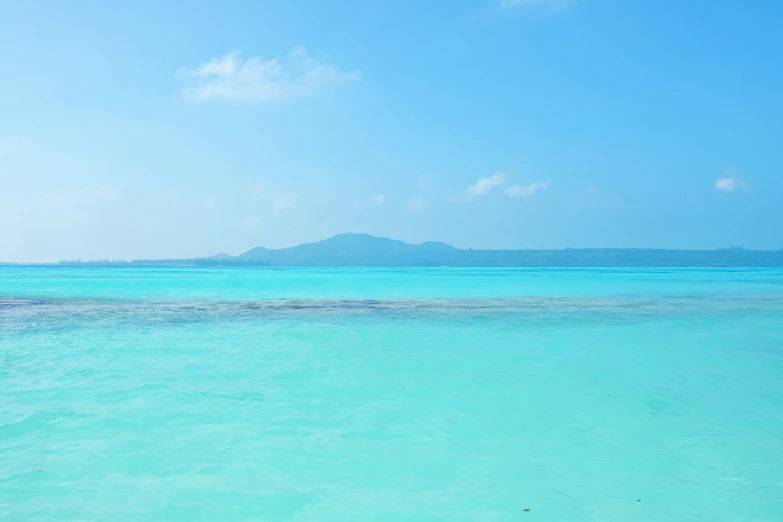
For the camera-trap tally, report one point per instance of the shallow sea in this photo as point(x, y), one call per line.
point(186, 394)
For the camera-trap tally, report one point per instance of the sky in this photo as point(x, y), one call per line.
point(178, 129)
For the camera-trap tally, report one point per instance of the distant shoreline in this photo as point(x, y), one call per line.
point(364, 250)
point(433, 267)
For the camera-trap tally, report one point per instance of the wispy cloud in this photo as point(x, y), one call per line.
point(517, 191)
point(210, 203)
point(380, 199)
point(232, 77)
point(9, 146)
point(422, 181)
point(729, 182)
point(415, 205)
point(726, 184)
point(251, 223)
point(78, 197)
point(280, 205)
point(553, 6)
point(257, 192)
point(484, 185)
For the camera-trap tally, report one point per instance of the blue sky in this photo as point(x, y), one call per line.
point(168, 129)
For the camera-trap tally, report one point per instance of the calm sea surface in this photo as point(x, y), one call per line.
point(184, 394)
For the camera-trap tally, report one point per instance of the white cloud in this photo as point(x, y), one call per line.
point(280, 204)
point(516, 191)
point(484, 185)
point(415, 205)
point(592, 193)
point(210, 203)
point(555, 6)
point(422, 181)
point(231, 77)
point(726, 184)
point(257, 192)
point(162, 197)
point(9, 146)
point(251, 224)
point(379, 199)
point(65, 197)
point(78, 197)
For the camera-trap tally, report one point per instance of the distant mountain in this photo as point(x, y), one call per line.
point(353, 250)
point(367, 250)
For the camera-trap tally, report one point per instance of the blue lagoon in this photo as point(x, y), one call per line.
point(304, 395)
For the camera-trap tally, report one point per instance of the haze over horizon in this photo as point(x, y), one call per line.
point(379, 245)
point(359, 238)
point(365, 250)
point(483, 124)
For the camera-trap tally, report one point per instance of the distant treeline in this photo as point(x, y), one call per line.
point(229, 262)
point(364, 250)
point(128, 263)
point(478, 258)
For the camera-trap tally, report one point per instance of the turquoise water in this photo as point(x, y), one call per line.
point(390, 395)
